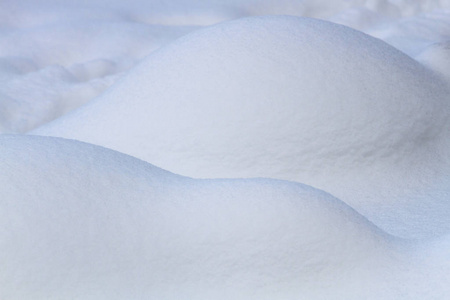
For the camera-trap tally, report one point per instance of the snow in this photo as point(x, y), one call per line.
point(70, 34)
point(280, 97)
point(437, 58)
point(103, 225)
point(58, 76)
point(341, 105)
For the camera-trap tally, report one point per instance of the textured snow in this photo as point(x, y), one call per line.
point(84, 222)
point(347, 100)
point(288, 98)
point(109, 38)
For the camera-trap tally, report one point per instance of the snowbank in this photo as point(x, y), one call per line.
point(81, 221)
point(280, 97)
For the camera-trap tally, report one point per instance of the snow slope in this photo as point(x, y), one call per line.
point(82, 222)
point(289, 98)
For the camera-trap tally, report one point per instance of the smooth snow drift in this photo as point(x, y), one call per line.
point(282, 97)
point(83, 222)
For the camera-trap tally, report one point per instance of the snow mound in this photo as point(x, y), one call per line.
point(280, 97)
point(81, 221)
point(245, 90)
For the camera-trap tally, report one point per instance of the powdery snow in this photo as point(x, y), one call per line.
point(83, 222)
point(283, 97)
point(361, 114)
point(41, 35)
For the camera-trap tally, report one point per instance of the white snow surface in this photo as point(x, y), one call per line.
point(46, 71)
point(289, 98)
point(84, 222)
point(56, 55)
point(347, 100)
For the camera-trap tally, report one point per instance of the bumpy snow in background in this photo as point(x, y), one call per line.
point(288, 98)
point(48, 70)
point(80, 221)
point(437, 58)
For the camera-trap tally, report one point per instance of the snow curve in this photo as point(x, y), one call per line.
point(288, 98)
point(81, 221)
